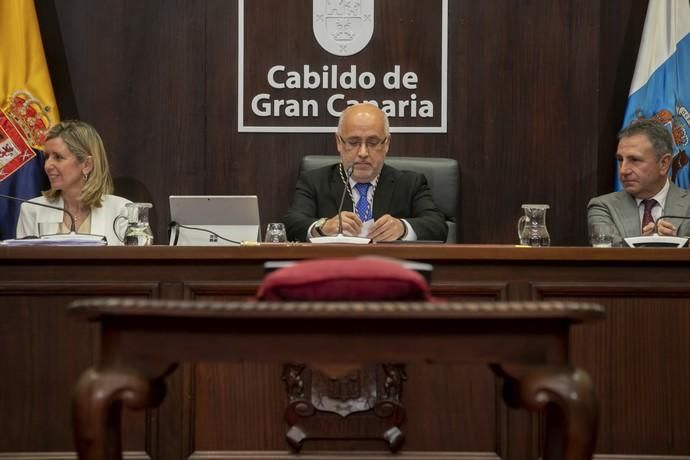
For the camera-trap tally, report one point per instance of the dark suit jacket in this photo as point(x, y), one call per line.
point(402, 194)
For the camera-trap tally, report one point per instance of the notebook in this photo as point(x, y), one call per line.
point(213, 220)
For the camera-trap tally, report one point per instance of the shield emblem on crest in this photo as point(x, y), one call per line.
point(343, 27)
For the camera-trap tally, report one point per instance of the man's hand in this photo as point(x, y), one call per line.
point(352, 225)
point(386, 228)
point(648, 229)
point(663, 227)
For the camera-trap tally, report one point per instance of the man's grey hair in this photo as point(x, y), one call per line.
point(656, 133)
point(386, 124)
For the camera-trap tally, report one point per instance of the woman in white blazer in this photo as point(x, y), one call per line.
point(80, 182)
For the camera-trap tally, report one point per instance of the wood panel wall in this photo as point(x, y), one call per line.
point(537, 91)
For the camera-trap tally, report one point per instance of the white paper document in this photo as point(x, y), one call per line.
point(59, 240)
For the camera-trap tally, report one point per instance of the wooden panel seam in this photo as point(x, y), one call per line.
point(96, 288)
point(640, 457)
point(607, 289)
point(192, 289)
point(364, 455)
point(134, 455)
point(454, 289)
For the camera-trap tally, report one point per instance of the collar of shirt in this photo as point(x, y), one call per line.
point(660, 198)
point(370, 191)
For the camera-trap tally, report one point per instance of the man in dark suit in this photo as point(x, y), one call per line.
point(382, 203)
point(644, 156)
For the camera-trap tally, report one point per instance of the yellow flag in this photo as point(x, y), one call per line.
point(27, 108)
point(26, 94)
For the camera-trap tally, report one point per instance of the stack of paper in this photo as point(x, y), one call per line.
point(68, 239)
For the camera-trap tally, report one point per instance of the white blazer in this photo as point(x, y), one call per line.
point(101, 218)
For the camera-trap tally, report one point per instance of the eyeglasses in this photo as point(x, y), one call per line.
point(356, 143)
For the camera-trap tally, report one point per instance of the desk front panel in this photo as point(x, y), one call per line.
point(638, 357)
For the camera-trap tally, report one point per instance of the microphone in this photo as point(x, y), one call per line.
point(670, 217)
point(656, 240)
point(340, 238)
point(73, 226)
point(348, 173)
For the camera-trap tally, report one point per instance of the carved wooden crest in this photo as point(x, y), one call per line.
point(321, 402)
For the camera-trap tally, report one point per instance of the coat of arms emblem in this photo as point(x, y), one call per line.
point(343, 27)
point(24, 122)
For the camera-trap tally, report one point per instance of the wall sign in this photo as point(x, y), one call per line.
point(300, 63)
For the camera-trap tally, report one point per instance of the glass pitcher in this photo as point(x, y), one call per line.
point(532, 226)
point(138, 232)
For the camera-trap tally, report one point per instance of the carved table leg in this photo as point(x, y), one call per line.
point(567, 396)
point(97, 409)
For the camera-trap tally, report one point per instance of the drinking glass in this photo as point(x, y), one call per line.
point(138, 232)
point(275, 233)
point(601, 235)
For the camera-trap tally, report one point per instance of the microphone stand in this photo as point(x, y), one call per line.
point(340, 237)
point(73, 222)
point(658, 241)
point(348, 174)
point(656, 222)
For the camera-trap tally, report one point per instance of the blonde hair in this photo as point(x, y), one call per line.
point(83, 141)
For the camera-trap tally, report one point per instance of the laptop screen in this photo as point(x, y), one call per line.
point(210, 220)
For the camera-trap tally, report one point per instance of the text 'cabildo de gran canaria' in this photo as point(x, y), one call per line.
point(400, 100)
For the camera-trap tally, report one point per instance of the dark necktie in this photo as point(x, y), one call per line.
point(647, 215)
point(362, 206)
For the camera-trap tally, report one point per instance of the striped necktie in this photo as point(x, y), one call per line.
point(647, 215)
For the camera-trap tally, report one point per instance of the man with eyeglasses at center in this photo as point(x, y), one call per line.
point(382, 203)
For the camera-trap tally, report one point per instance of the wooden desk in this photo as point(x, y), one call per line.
point(142, 341)
point(642, 347)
